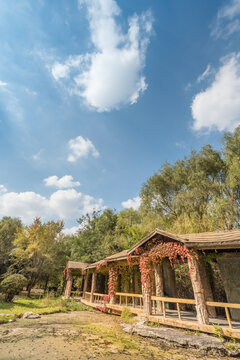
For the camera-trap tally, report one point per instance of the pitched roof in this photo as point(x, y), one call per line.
point(229, 239)
point(154, 233)
point(122, 255)
point(76, 265)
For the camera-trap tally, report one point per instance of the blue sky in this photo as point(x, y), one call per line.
point(95, 95)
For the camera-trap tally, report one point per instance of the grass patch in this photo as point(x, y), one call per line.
point(41, 306)
point(127, 316)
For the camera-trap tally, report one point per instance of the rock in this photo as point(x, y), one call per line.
point(30, 315)
point(176, 337)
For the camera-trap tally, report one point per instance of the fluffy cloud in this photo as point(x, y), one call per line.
point(70, 231)
point(64, 204)
point(112, 75)
point(61, 183)
point(3, 189)
point(132, 203)
point(218, 107)
point(81, 147)
point(227, 21)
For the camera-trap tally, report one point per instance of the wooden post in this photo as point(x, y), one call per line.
point(112, 285)
point(69, 282)
point(147, 303)
point(158, 273)
point(85, 283)
point(201, 308)
point(206, 287)
point(93, 286)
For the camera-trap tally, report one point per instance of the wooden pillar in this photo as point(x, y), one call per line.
point(201, 308)
point(85, 283)
point(69, 282)
point(159, 287)
point(93, 286)
point(147, 303)
point(112, 285)
point(206, 287)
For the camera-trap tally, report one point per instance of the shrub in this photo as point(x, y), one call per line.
point(12, 285)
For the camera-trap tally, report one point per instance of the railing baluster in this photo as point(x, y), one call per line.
point(179, 312)
point(228, 317)
point(164, 310)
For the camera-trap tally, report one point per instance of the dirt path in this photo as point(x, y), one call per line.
point(81, 335)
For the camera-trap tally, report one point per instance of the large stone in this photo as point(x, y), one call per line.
point(176, 337)
point(30, 315)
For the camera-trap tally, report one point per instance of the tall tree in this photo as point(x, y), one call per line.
point(37, 246)
point(8, 229)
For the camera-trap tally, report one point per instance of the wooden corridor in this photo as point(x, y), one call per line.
point(174, 318)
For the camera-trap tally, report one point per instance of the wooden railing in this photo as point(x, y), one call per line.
point(125, 297)
point(136, 300)
point(177, 301)
point(98, 298)
point(77, 293)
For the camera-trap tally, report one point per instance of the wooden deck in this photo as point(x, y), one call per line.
point(188, 319)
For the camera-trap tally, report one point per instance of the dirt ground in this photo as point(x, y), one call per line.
point(81, 335)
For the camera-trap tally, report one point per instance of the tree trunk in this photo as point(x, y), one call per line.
point(46, 284)
point(208, 294)
point(93, 286)
point(201, 308)
point(158, 272)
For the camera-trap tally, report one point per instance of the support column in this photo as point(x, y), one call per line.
point(201, 308)
point(93, 286)
point(85, 283)
point(147, 303)
point(206, 287)
point(158, 273)
point(112, 285)
point(69, 282)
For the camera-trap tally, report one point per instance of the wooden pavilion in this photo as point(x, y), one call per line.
point(115, 282)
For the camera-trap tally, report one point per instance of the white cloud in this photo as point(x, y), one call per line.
point(71, 231)
point(37, 156)
point(61, 183)
point(81, 147)
point(227, 21)
point(112, 75)
point(132, 203)
point(205, 74)
point(2, 83)
point(218, 107)
point(3, 189)
point(63, 204)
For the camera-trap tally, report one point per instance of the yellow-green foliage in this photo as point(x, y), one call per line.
point(126, 315)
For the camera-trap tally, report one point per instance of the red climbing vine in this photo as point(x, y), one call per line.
point(112, 281)
point(171, 250)
point(145, 269)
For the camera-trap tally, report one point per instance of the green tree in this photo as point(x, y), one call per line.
point(37, 247)
point(8, 229)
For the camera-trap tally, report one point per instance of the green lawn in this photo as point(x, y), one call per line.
point(40, 306)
